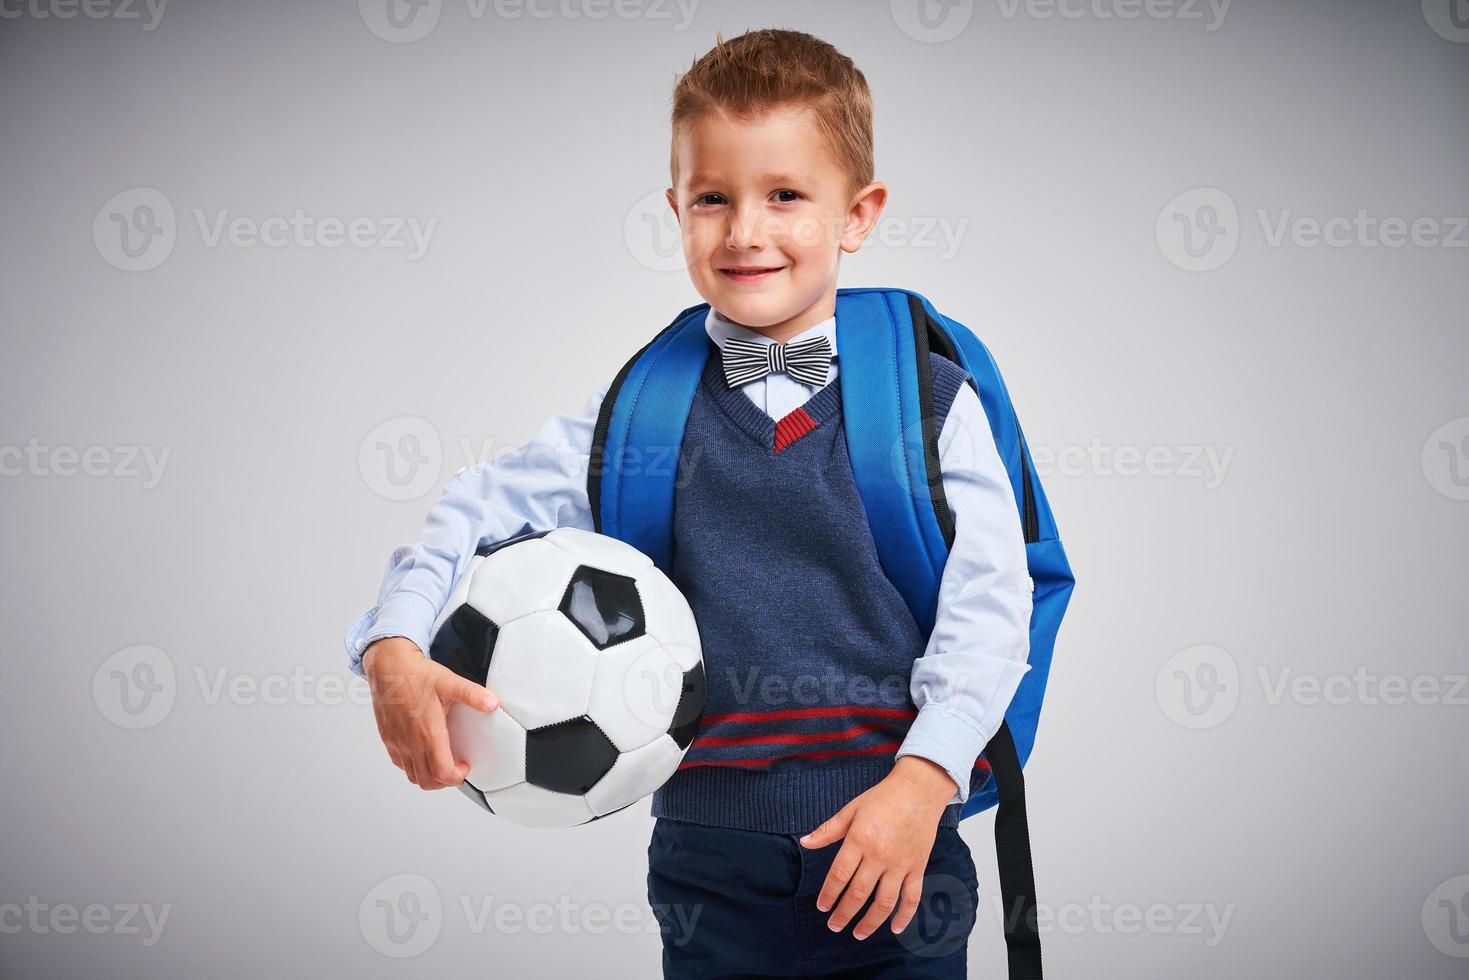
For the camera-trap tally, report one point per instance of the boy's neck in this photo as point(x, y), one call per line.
point(785, 330)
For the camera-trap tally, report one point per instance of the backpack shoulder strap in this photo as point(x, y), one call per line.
point(887, 410)
point(645, 410)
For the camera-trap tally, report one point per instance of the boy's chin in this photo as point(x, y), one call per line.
point(752, 310)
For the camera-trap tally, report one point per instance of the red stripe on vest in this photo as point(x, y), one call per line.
point(792, 427)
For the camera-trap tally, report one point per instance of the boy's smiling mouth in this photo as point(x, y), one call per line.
point(750, 273)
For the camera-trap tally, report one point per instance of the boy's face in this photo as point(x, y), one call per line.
point(767, 197)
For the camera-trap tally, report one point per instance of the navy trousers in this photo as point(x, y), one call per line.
point(739, 905)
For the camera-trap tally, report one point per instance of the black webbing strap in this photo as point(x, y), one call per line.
point(1012, 854)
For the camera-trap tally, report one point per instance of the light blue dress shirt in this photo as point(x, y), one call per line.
point(975, 657)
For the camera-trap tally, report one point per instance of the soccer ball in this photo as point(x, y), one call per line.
point(595, 657)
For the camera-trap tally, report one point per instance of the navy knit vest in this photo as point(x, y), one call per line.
point(808, 647)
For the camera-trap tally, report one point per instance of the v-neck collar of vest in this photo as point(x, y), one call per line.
point(752, 419)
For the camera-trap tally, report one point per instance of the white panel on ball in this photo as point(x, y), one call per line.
point(537, 807)
point(542, 669)
point(635, 774)
point(493, 742)
point(599, 550)
point(528, 576)
point(636, 692)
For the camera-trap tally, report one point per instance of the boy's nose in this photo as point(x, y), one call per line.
point(745, 229)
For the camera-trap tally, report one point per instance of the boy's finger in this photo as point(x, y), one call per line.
point(442, 766)
point(833, 830)
point(465, 691)
point(883, 903)
point(858, 889)
point(843, 867)
point(912, 894)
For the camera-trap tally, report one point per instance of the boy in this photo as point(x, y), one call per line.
point(827, 797)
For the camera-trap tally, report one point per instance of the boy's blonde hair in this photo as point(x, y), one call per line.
point(761, 70)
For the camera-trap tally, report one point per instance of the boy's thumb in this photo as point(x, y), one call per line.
point(833, 830)
point(466, 691)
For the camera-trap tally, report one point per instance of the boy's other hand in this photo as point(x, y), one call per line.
point(889, 833)
point(411, 695)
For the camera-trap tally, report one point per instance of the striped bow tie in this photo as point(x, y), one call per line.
point(749, 360)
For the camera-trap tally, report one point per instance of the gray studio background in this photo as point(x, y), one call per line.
point(1219, 253)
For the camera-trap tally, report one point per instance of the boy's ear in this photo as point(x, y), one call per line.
point(673, 203)
point(862, 215)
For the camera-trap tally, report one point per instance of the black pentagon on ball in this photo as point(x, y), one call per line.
point(690, 706)
point(474, 794)
point(569, 756)
point(604, 605)
point(465, 642)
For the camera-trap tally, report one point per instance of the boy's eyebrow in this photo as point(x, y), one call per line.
point(770, 178)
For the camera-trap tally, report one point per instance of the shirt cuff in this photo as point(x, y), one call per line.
point(949, 739)
point(402, 614)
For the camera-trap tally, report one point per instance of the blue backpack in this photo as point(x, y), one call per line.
point(883, 340)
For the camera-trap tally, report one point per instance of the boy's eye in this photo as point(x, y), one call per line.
point(716, 199)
